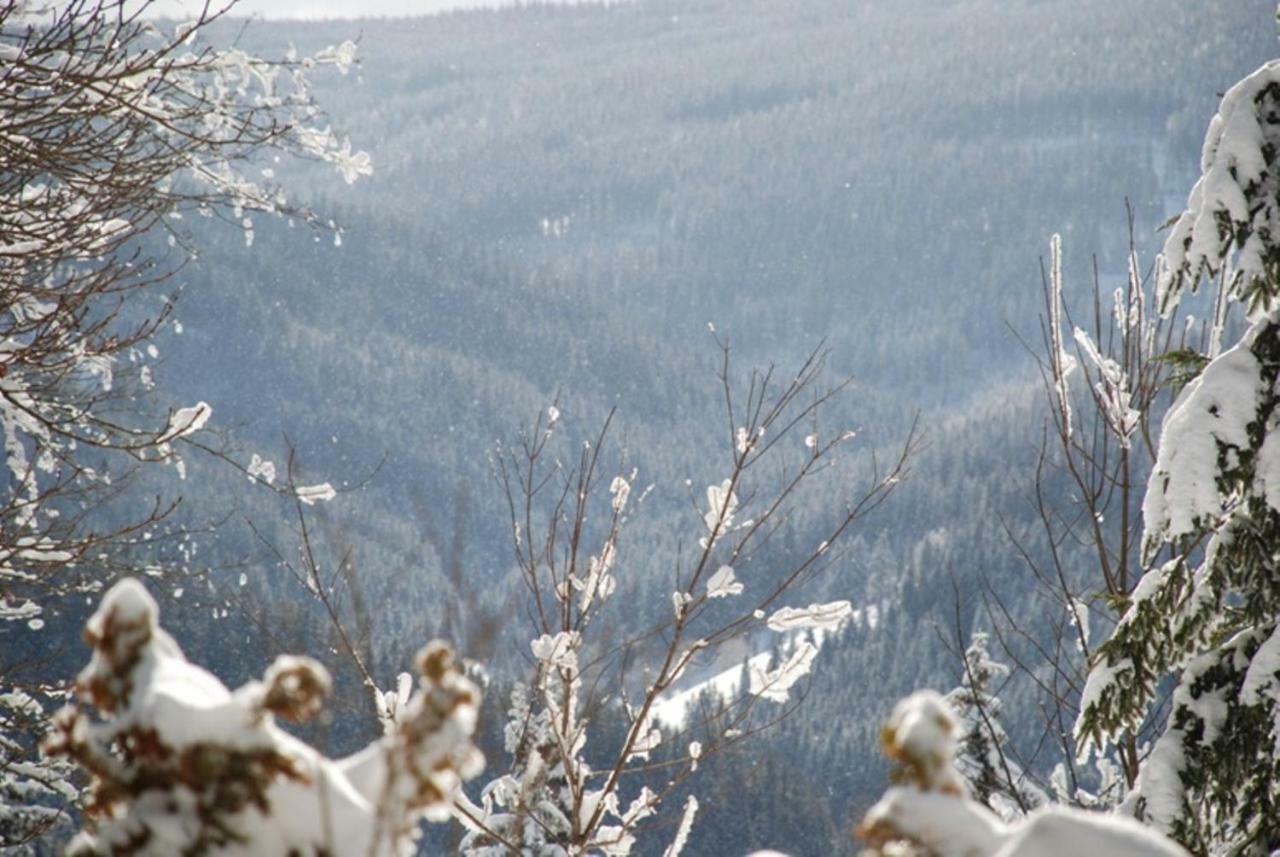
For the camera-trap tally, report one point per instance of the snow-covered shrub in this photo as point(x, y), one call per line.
point(182, 765)
point(568, 519)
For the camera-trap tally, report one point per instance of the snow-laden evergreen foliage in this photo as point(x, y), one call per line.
point(1213, 778)
point(34, 788)
point(1232, 220)
point(1208, 616)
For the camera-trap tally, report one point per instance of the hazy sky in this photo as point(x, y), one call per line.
point(323, 8)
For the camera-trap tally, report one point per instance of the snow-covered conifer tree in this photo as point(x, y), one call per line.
point(983, 759)
point(1209, 614)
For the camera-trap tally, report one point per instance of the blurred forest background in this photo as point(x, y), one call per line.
point(563, 199)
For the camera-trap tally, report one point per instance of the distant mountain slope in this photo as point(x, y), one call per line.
point(565, 196)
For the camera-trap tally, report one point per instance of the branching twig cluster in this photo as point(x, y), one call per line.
point(568, 520)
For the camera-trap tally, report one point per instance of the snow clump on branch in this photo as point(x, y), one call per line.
point(931, 811)
point(181, 764)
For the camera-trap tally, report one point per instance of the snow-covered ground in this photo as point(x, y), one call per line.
point(672, 709)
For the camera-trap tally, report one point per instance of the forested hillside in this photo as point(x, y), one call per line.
point(565, 198)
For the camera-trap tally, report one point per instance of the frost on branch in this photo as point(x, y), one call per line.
point(309, 495)
point(111, 130)
point(1060, 361)
point(682, 831)
point(180, 764)
point(825, 617)
point(724, 583)
point(799, 652)
point(185, 421)
point(1112, 396)
point(775, 685)
point(722, 506)
point(929, 812)
point(590, 766)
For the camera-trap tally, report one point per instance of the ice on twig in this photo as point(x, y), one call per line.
point(723, 583)
point(312, 494)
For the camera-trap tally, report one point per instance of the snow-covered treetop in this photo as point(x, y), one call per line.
point(181, 764)
point(1233, 210)
point(921, 737)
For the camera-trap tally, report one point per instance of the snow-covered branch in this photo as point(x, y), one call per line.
point(181, 764)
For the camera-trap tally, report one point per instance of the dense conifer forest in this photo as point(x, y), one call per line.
point(563, 198)
point(570, 206)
